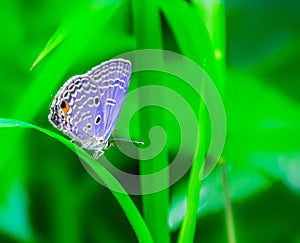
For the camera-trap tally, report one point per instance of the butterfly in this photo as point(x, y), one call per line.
point(87, 106)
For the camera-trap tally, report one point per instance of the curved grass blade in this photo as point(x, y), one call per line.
point(195, 43)
point(57, 65)
point(77, 26)
point(123, 198)
point(53, 42)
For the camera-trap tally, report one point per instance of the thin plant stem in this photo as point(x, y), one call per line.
point(227, 202)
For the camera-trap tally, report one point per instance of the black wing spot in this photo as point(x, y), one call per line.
point(66, 94)
point(96, 100)
point(63, 104)
point(77, 82)
point(98, 120)
point(71, 87)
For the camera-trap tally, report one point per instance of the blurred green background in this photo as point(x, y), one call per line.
point(47, 196)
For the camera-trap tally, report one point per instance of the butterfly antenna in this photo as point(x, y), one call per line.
point(127, 140)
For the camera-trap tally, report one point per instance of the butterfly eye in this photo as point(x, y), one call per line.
point(64, 106)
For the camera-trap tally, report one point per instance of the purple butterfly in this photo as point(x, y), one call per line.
point(87, 106)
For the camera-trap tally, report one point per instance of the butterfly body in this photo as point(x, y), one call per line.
point(87, 106)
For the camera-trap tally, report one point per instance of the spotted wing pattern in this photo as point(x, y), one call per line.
point(112, 78)
point(87, 106)
point(74, 106)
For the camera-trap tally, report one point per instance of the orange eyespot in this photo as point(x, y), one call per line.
point(64, 106)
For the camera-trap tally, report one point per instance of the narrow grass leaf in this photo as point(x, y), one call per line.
point(148, 34)
point(53, 42)
point(193, 40)
point(123, 198)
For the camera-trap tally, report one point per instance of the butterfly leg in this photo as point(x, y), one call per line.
point(97, 154)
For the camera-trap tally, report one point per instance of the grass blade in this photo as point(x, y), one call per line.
point(53, 42)
point(148, 33)
point(195, 42)
point(123, 198)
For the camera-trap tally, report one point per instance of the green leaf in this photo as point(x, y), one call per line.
point(194, 41)
point(123, 198)
point(81, 22)
point(148, 34)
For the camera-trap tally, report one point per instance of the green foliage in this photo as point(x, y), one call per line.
point(47, 196)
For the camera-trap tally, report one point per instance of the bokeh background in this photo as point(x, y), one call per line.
point(46, 195)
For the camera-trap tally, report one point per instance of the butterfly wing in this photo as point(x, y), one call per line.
point(112, 79)
point(74, 106)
